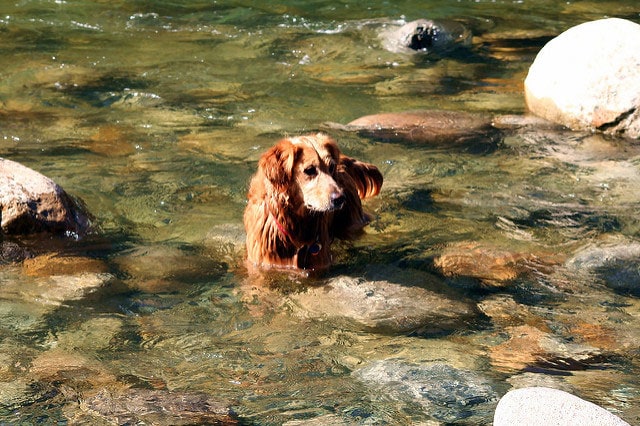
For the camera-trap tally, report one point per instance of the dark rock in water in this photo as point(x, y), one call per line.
point(144, 406)
point(446, 393)
point(472, 132)
point(546, 406)
point(31, 202)
point(426, 36)
point(11, 252)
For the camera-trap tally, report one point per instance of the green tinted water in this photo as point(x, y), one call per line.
point(155, 113)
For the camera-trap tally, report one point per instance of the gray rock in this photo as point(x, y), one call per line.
point(11, 252)
point(546, 406)
point(31, 202)
point(588, 78)
point(616, 261)
point(386, 306)
point(445, 393)
point(426, 36)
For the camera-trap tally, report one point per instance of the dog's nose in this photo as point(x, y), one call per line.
point(337, 200)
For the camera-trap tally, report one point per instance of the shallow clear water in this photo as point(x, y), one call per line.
point(155, 113)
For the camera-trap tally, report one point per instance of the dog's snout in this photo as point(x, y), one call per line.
point(338, 200)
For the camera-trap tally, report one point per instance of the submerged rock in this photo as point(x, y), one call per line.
point(161, 268)
point(588, 78)
point(473, 132)
point(147, 406)
point(616, 261)
point(534, 348)
point(386, 306)
point(31, 202)
point(11, 252)
point(446, 393)
point(540, 405)
point(491, 265)
point(426, 36)
point(48, 265)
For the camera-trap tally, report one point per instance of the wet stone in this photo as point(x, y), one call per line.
point(75, 370)
point(528, 348)
point(491, 265)
point(473, 133)
point(504, 311)
point(146, 406)
point(166, 269)
point(383, 305)
point(589, 83)
point(425, 36)
point(92, 335)
point(31, 202)
point(613, 260)
point(326, 420)
point(11, 252)
point(446, 393)
point(539, 405)
point(55, 290)
point(51, 264)
point(112, 141)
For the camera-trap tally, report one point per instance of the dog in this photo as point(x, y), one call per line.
point(304, 194)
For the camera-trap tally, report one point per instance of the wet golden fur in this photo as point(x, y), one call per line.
point(304, 194)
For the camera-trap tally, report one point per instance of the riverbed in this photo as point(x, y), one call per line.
point(497, 268)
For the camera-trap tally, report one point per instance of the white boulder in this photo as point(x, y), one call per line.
point(545, 406)
point(588, 78)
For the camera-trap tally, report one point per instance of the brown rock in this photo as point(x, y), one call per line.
point(31, 202)
point(504, 312)
point(598, 335)
point(491, 265)
point(145, 406)
point(50, 264)
point(429, 127)
point(71, 368)
point(521, 350)
point(111, 141)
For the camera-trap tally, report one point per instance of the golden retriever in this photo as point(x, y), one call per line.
point(304, 194)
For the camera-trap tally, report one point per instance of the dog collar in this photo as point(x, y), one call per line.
point(313, 249)
point(281, 228)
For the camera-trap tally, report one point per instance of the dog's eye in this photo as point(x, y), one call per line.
point(311, 171)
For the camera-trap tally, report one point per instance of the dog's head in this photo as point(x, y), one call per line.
point(305, 167)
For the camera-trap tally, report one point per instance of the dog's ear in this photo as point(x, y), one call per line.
point(278, 162)
point(366, 177)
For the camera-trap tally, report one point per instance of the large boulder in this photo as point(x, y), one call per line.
point(546, 406)
point(31, 202)
point(588, 78)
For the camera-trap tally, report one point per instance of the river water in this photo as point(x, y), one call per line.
point(154, 114)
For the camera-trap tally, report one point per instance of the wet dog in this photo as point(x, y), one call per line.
point(304, 194)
